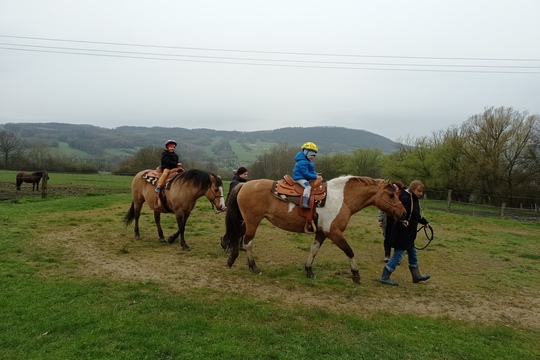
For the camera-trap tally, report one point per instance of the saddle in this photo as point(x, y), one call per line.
point(289, 190)
point(152, 176)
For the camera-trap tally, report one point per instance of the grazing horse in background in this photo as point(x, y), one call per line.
point(33, 178)
point(179, 197)
point(253, 201)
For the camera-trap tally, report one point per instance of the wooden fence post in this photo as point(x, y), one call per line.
point(449, 201)
point(44, 184)
point(502, 209)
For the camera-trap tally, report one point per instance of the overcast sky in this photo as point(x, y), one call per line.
point(394, 68)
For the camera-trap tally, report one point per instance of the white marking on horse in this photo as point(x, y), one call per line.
point(221, 199)
point(334, 201)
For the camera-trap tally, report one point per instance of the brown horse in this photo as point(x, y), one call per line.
point(253, 201)
point(179, 198)
point(33, 178)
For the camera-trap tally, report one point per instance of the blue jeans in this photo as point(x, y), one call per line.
point(306, 185)
point(398, 255)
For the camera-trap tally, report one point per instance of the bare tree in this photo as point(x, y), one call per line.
point(500, 147)
point(11, 147)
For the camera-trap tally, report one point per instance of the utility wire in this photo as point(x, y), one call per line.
point(267, 52)
point(269, 60)
point(274, 65)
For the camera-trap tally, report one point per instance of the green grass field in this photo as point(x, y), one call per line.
point(76, 285)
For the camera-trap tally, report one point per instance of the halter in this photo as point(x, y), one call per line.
point(215, 197)
point(388, 202)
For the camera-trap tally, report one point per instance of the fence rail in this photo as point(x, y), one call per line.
point(433, 201)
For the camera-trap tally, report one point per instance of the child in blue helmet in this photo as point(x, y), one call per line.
point(304, 170)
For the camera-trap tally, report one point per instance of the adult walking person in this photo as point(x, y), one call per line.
point(385, 223)
point(240, 176)
point(404, 233)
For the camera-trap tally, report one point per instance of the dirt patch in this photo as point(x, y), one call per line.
point(120, 257)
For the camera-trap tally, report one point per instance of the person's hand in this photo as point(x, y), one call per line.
point(405, 223)
point(380, 223)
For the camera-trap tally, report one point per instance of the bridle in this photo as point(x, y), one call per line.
point(216, 196)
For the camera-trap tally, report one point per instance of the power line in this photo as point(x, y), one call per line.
point(268, 60)
point(269, 52)
point(274, 65)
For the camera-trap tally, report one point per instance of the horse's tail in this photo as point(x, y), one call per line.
point(130, 215)
point(233, 221)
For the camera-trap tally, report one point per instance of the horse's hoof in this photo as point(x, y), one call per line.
point(256, 270)
point(171, 240)
point(186, 248)
point(137, 237)
point(310, 274)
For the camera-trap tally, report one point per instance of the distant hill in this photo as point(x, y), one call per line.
point(227, 147)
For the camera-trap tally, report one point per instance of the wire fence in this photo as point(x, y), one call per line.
point(528, 209)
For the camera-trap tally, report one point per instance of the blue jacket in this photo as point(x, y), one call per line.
point(304, 168)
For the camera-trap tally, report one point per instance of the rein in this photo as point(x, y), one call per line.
point(429, 236)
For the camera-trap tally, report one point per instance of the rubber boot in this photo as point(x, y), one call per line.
point(416, 276)
point(305, 202)
point(385, 277)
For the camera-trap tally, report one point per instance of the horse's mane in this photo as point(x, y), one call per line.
point(345, 178)
point(198, 177)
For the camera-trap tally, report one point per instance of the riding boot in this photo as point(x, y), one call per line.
point(158, 189)
point(305, 202)
point(385, 278)
point(416, 276)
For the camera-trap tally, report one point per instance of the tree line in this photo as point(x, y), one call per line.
point(492, 158)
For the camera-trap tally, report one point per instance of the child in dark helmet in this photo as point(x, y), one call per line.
point(169, 161)
point(304, 170)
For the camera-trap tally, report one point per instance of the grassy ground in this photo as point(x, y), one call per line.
point(75, 284)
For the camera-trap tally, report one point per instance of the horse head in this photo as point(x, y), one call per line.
point(215, 193)
point(387, 200)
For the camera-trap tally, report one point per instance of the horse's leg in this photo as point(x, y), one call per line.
point(248, 236)
point(342, 243)
point(137, 215)
point(315, 246)
point(181, 220)
point(157, 219)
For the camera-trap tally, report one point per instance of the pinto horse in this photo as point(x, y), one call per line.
point(33, 178)
point(253, 201)
point(179, 197)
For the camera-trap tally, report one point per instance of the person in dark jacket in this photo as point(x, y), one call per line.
point(169, 161)
point(240, 176)
point(404, 233)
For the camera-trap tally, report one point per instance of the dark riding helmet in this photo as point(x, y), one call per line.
point(170, 142)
